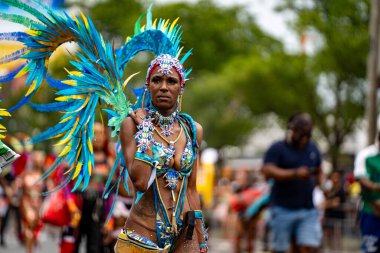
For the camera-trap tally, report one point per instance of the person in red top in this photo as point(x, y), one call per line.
point(31, 199)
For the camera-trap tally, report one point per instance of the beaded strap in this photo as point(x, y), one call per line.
point(202, 246)
point(144, 158)
point(144, 134)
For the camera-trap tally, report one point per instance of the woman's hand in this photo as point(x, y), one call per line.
point(138, 116)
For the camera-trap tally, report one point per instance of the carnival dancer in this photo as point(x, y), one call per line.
point(161, 150)
point(159, 144)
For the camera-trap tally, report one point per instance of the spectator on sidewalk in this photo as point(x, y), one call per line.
point(244, 195)
point(334, 211)
point(294, 164)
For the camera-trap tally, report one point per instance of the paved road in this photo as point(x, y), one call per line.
point(49, 239)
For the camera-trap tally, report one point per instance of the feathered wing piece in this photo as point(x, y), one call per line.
point(7, 155)
point(3, 113)
point(97, 78)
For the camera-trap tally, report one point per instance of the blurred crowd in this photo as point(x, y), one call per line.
point(37, 199)
point(234, 214)
point(238, 189)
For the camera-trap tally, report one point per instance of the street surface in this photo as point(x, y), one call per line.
point(50, 236)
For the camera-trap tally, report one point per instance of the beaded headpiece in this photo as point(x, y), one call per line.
point(166, 63)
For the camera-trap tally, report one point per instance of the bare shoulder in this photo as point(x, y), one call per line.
point(127, 128)
point(199, 132)
point(198, 127)
point(127, 123)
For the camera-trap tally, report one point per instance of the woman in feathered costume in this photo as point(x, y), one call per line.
point(159, 144)
point(160, 149)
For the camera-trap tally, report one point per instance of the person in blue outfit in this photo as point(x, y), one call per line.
point(294, 165)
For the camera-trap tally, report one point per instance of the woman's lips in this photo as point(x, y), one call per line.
point(164, 98)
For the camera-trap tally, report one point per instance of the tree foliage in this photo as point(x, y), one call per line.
point(249, 87)
point(240, 73)
point(218, 93)
point(339, 65)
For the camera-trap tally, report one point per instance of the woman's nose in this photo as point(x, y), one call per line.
point(164, 85)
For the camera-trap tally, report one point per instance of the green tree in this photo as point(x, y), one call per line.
point(339, 64)
point(231, 104)
point(217, 35)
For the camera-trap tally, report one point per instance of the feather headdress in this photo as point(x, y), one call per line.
point(97, 77)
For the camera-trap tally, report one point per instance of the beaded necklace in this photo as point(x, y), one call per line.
point(166, 123)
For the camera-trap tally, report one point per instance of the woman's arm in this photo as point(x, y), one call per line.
point(192, 194)
point(138, 170)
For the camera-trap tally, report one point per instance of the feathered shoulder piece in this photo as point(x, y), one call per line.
point(97, 76)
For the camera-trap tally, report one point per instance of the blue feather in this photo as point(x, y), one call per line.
point(55, 83)
point(13, 36)
point(23, 101)
point(55, 106)
point(61, 185)
point(10, 76)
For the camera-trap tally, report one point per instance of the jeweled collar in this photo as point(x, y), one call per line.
point(166, 123)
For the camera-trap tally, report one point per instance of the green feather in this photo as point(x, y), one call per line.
point(25, 7)
point(18, 19)
point(137, 25)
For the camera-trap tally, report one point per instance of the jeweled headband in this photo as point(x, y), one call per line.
point(166, 63)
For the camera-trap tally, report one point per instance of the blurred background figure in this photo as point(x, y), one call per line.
point(367, 171)
point(11, 189)
point(239, 201)
point(31, 185)
point(4, 205)
point(334, 211)
point(94, 207)
point(247, 191)
point(221, 211)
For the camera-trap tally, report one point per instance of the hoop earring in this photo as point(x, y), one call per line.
point(143, 96)
point(179, 102)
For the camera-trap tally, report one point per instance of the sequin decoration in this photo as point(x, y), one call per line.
point(171, 178)
point(166, 123)
point(187, 156)
point(144, 135)
point(141, 239)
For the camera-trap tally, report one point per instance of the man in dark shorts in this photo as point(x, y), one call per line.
point(294, 164)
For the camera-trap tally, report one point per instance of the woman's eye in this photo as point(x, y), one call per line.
point(173, 81)
point(156, 80)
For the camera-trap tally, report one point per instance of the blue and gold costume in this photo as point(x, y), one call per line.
point(96, 83)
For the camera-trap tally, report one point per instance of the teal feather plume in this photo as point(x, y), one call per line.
point(97, 79)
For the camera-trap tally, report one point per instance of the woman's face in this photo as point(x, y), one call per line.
point(164, 88)
point(99, 136)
